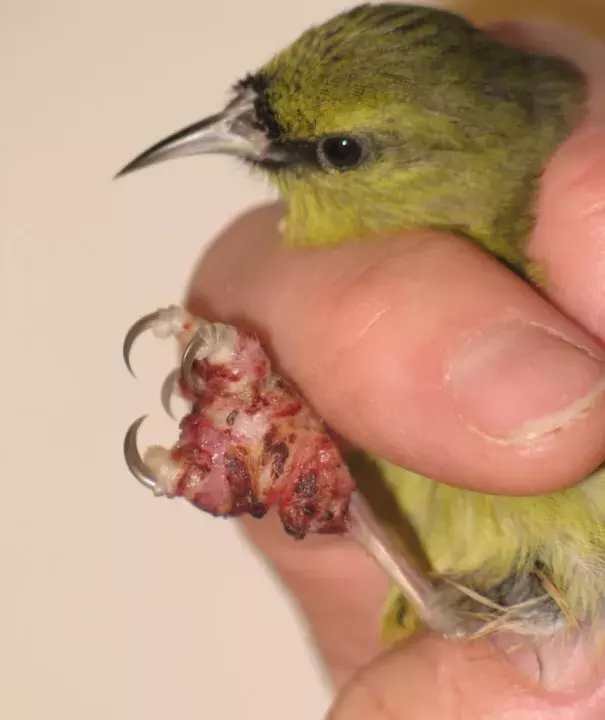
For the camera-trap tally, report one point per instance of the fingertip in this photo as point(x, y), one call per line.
point(433, 678)
point(429, 678)
point(570, 232)
point(582, 46)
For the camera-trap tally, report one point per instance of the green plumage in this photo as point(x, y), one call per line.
point(483, 540)
point(458, 127)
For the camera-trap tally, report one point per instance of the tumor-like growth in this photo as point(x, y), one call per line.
point(250, 442)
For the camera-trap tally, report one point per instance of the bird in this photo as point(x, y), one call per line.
point(389, 117)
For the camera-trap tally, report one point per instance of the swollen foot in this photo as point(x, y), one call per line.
point(251, 442)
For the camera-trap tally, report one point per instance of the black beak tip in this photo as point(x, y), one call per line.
point(132, 166)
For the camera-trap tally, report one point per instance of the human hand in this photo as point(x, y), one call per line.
point(366, 332)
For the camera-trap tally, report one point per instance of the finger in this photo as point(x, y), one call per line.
point(570, 234)
point(420, 349)
point(586, 52)
point(437, 679)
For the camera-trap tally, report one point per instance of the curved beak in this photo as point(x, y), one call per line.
point(234, 131)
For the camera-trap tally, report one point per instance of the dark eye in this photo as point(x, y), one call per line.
point(340, 153)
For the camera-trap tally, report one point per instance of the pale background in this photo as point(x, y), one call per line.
point(114, 604)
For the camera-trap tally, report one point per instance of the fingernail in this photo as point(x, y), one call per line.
point(516, 382)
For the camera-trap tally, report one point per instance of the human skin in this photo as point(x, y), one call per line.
point(361, 327)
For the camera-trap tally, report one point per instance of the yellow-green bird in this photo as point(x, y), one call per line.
point(391, 117)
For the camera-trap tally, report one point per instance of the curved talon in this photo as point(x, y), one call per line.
point(189, 357)
point(167, 391)
point(140, 326)
point(133, 458)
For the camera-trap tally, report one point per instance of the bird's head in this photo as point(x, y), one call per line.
point(396, 116)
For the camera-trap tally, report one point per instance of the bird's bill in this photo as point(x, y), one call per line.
point(231, 132)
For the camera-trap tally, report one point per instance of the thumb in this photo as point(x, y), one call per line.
point(433, 678)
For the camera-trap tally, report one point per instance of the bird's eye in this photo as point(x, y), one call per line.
point(340, 153)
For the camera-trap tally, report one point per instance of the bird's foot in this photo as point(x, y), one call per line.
point(251, 442)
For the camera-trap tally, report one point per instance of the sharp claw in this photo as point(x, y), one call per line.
point(188, 358)
point(167, 391)
point(140, 326)
point(133, 458)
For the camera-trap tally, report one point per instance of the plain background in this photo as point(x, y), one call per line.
point(114, 604)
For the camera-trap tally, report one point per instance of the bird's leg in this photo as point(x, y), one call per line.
point(251, 442)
